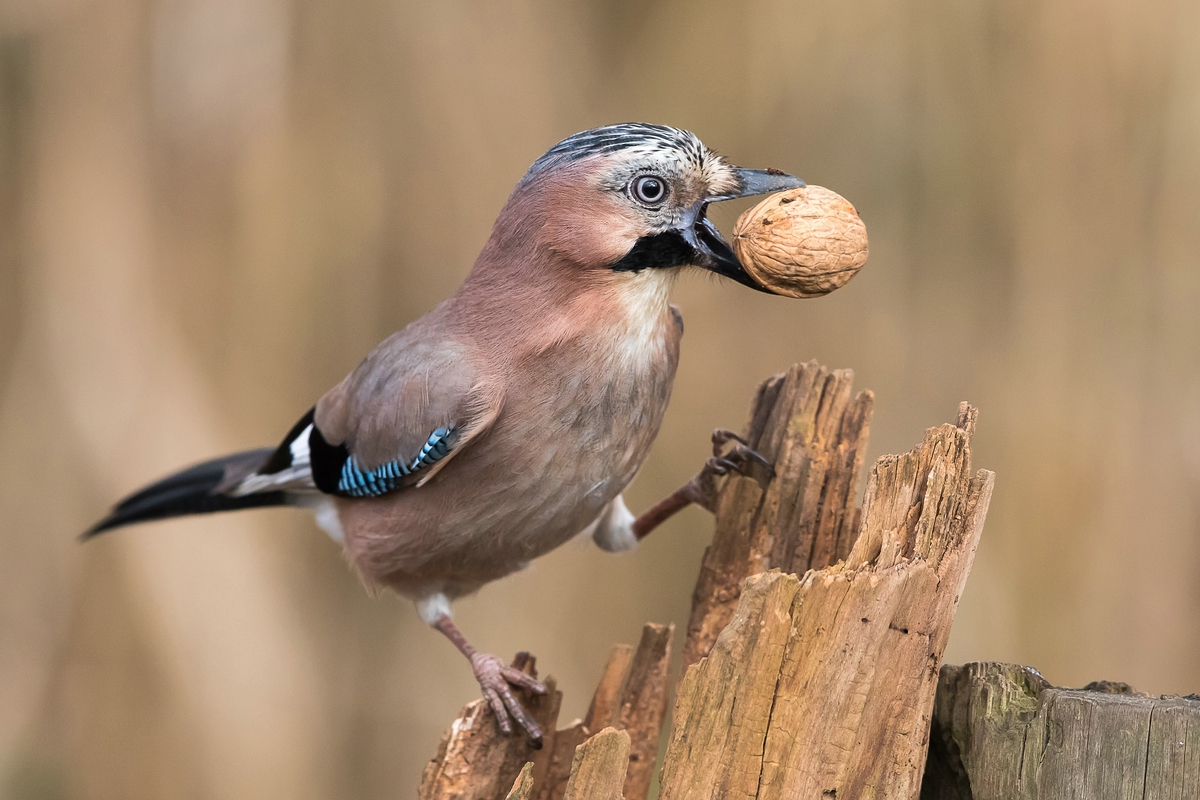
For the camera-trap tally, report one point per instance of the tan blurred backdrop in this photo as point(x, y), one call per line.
point(210, 210)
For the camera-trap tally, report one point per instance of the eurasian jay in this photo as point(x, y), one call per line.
point(511, 417)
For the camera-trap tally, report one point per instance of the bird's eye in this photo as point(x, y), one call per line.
point(649, 189)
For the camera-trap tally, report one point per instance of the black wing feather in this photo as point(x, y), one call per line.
point(190, 492)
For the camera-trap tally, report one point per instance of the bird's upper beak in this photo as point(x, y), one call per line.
point(712, 251)
point(752, 182)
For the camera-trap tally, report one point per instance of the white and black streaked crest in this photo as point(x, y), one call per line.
point(632, 138)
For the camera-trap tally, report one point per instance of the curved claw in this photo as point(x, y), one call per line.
point(722, 437)
point(742, 452)
point(741, 456)
point(719, 465)
point(494, 678)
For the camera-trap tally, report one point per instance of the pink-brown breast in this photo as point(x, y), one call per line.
point(584, 393)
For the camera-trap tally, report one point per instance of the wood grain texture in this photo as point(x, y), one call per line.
point(1002, 731)
point(523, 786)
point(476, 762)
point(807, 423)
point(643, 706)
point(607, 697)
point(823, 685)
point(826, 684)
point(631, 696)
point(723, 703)
point(554, 785)
point(598, 770)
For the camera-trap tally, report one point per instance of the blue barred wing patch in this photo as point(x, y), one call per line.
point(358, 482)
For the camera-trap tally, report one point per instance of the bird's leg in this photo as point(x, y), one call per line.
point(702, 489)
point(494, 677)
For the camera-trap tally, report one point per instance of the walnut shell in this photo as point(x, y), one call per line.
point(804, 242)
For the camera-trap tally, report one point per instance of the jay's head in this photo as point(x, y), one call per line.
point(623, 199)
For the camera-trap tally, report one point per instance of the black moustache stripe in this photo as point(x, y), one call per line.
point(660, 251)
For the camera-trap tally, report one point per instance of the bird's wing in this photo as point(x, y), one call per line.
point(395, 421)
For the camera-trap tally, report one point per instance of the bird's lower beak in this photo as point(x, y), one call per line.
point(713, 253)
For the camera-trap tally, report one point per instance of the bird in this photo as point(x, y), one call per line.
point(510, 418)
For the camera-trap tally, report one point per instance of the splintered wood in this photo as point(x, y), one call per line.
point(1001, 732)
point(598, 769)
point(523, 786)
point(817, 686)
point(823, 685)
point(807, 423)
point(476, 762)
point(631, 697)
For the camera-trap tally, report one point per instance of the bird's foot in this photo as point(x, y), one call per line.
point(496, 679)
point(702, 489)
point(740, 458)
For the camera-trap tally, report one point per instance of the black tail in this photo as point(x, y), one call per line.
point(192, 492)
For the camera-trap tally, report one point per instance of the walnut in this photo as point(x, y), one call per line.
point(801, 243)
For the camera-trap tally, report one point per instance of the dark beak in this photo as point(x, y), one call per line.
point(759, 181)
point(713, 253)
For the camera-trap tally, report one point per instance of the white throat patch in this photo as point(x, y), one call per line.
point(646, 296)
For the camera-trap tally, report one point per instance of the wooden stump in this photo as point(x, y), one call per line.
point(823, 686)
point(807, 424)
point(1001, 732)
point(598, 769)
point(631, 697)
point(814, 686)
point(523, 786)
point(475, 762)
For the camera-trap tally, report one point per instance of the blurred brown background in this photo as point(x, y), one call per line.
point(210, 210)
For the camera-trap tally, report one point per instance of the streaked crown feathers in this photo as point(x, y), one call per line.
point(635, 141)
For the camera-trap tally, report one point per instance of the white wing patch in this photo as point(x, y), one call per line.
point(297, 477)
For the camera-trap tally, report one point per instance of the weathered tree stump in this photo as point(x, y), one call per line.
point(632, 697)
point(1001, 732)
point(823, 685)
point(523, 786)
point(807, 424)
point(476, 762)
point(813, 686)
point(599, 766)
point(813, 652)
